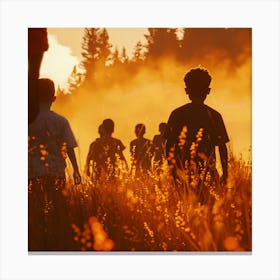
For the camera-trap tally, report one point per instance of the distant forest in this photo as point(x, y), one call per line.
point(105, 66)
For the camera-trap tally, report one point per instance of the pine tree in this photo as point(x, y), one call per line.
point(161, 42)
point(225, 42)
point(74, 80)
point(60, 91)
point(139, 52)
point(103, 46)
point(124, 58)
point(90, 50)
point(115, 57)
point(96, 50)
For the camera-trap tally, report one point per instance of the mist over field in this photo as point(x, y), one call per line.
point(149, 95)
point(179, 204)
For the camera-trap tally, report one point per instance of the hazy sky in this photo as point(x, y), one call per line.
point(65, 49)
point(230, 94)
point(72, 37)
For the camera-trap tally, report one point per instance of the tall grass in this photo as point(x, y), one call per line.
point(150, 213)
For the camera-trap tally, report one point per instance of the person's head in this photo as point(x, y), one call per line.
point(46, 90)
point(162, 127)
point(197, 82)
point(101, 130)
point(108, 126)
point(140, 130)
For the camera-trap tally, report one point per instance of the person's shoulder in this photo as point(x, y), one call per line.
point(115, 140)
point(148, 141)
point(58, 117)
point(134, 141)
point(118, 143)
point(156, 137)
point(96, 141)
point(212, 111)
point(181, 109)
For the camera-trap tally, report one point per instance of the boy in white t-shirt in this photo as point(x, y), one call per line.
point(50, 141)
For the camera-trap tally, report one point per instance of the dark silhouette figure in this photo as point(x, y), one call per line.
point(195, 129)
point(159, 145)
point(105, 154)
point(37, 45)
point(50, 141)
point(95, 157)
point(141, 150)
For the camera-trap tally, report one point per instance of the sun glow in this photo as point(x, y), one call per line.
point(58, 62)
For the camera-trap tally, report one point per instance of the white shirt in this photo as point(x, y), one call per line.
point(48, 137)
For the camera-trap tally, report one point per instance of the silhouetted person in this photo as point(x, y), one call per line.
point(141, 150)
point(106, 153)
point(185, 124)
point(159, 145)
point(95, 158)
point(50, 141)
point(37, 45)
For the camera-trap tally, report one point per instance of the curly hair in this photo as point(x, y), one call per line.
point(197, 80)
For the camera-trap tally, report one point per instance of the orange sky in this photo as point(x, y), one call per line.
point(65, 49)
point(119, 37)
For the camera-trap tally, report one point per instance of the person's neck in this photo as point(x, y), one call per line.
point(45, 106)
point(197, 102)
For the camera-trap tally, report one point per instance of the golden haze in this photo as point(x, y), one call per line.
point(150, 96)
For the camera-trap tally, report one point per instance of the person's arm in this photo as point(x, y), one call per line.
point(169, 135)
point(224, 161)
point(131, 150)
point(89, 157)
point(72, 157)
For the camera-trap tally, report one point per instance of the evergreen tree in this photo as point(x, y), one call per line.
point(103, 46)
point(60, 91)
point(90, 50)
point(124, 58)
point(74, 80)
point(162, 42)
point(115, 57)
point(226, 42)
point(139, 52)
point(96, 50)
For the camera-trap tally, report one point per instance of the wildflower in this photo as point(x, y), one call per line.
point(182, 137)
point(231, 243)
point(43, 152)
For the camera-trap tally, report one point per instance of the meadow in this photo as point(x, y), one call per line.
point(151, 213)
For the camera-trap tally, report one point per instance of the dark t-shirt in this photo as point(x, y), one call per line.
point(141, 152)
point(103, 151)
point(195, 117)
point(159, 147)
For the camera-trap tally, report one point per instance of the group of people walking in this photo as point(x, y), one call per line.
point(191, 134)
point(105, 156)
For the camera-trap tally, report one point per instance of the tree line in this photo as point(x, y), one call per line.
point(102, 63)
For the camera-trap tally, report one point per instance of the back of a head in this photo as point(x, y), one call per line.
point(46, 90)
point(140, 129)
point(162, 127)
point(197, 81)
point(108, 126)
point(101, 130)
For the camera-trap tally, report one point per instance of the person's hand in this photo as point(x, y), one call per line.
point(77, 177)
